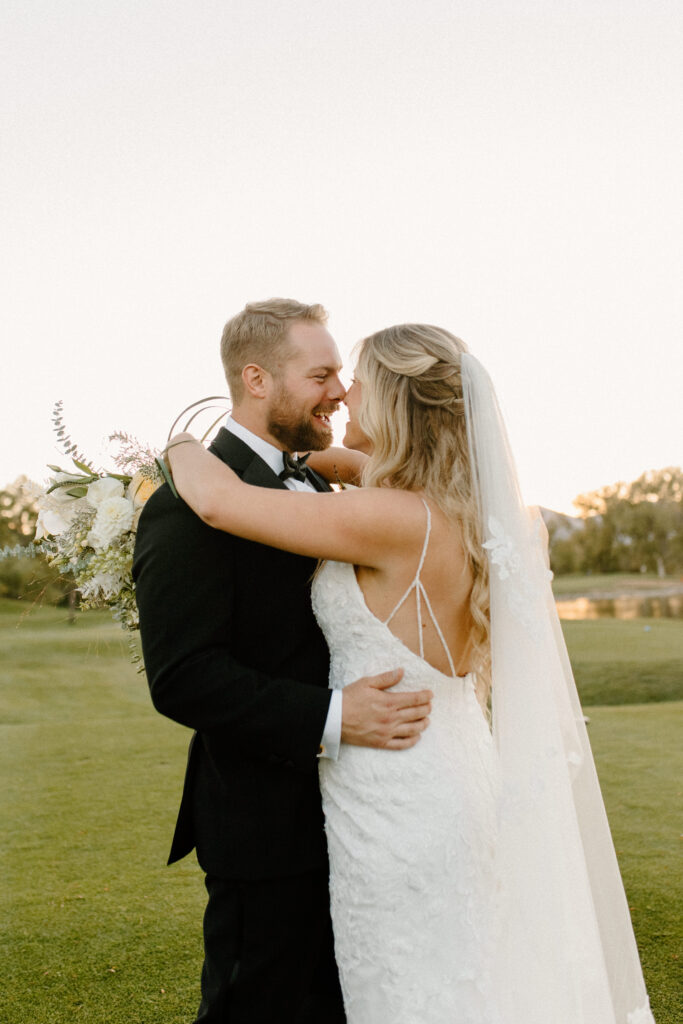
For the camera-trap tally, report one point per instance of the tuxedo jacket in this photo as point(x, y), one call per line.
point(232, 650)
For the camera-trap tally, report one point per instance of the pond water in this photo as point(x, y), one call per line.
point(661, 606)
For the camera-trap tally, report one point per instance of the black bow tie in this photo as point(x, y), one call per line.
point(293, 467)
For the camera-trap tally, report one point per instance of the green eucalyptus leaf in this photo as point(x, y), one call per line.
point(78, 492)
point(83, 468)
point(167, 476)
point(61, 484)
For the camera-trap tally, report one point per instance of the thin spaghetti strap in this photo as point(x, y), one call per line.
point(416, 578)
point(419, 589)
point(437, 627)
point(426, 543)
point(420, 592)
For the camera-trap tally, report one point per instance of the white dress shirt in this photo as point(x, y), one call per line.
point(272, 456)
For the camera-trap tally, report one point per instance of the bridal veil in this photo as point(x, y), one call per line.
point(566, 952)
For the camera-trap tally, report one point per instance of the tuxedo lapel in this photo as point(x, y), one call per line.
point(318, 482)
point(260, 474)
point(249, 466)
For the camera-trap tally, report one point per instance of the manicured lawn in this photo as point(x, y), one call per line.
point(96, 929)
point(638, 754)
point(623, 583)
point(634, 661)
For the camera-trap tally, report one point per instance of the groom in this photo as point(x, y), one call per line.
point(233, 651)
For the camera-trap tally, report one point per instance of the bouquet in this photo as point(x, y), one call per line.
point(87, 517)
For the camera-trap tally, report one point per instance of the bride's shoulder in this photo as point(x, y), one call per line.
point(388, 518)
point(408, 506)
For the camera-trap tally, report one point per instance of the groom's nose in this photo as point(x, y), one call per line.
point(336, 389)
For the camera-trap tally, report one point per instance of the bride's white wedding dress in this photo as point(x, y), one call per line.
point(472, 868)
point(411, 833)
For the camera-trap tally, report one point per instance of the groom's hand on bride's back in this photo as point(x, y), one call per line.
point(373, 717)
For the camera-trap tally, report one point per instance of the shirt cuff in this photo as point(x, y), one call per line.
point(329, 744)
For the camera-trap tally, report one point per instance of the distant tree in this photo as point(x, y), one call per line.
point(564, 551)
point(18, 512)
point(25, 577)
point(656, 520)
point(565, 555)
point(631, 526)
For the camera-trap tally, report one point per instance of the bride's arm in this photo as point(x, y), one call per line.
point(363, 526)
point(339, 465)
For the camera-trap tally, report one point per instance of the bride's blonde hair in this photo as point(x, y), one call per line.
point(412, 410)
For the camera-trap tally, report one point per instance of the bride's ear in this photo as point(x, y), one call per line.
point(256, 380)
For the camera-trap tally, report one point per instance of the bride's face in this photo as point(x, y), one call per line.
point(354, 436)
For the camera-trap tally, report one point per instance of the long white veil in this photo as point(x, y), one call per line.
point(567, 953)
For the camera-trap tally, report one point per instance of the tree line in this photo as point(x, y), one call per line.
point(623, 527)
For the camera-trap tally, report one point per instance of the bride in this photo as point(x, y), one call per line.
point(473, 878)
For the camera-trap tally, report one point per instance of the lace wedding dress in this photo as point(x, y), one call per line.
point(473, 877)
point(411, 833)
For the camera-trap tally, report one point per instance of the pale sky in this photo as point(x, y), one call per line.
point(511, 170)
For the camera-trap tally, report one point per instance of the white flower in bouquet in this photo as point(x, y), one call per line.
point(104, 585)
point(105, 487)
point(57, 509)
point(50, 522)
point(114, 517)
point(60, 495)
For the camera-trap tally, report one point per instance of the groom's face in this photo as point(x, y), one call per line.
point(307, 390)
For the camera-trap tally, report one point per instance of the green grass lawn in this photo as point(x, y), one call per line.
point(638, 755)
point(626, 661)
point(622, 583)
point(94, 926)
point(96, 929)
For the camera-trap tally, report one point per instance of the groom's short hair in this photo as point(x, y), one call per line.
point(258, 334)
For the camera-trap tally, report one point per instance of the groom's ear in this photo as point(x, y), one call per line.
point(256, 380)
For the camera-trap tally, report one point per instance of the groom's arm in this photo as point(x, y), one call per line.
point(186, 595)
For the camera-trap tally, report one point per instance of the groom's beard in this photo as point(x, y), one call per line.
point(295, 429)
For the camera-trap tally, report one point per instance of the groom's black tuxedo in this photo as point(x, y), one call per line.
point(232, 650)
